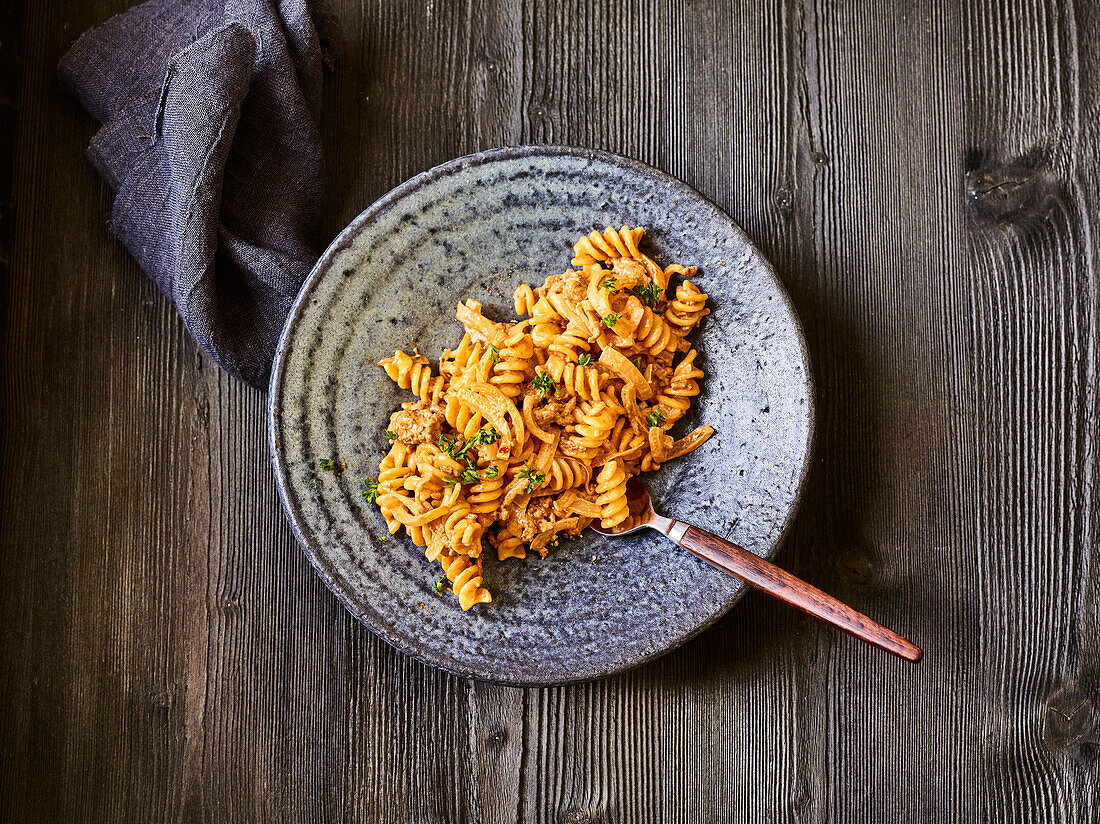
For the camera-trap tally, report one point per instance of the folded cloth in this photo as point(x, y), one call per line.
point(210, 140)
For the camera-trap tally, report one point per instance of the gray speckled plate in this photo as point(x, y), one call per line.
point(475, 227)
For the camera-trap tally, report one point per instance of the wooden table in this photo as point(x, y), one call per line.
point(925, 181)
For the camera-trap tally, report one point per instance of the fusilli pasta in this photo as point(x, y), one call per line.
point(532, 428)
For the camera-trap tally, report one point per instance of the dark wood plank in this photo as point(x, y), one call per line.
point(1032, 166)
point(925, 181)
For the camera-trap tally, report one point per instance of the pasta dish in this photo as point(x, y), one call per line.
point(531, 429)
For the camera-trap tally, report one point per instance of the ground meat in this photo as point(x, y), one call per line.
point(537, 518)
point(682, 385)
point(573, 449)
point(420, 423)
point(628, 273)
point(559, 412)
point(571, 285)
point(661, 373)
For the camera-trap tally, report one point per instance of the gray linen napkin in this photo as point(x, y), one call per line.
point(210, 140)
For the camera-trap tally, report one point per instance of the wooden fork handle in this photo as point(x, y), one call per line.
point(757, 572)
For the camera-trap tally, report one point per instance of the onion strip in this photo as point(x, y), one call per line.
point(469, 314)
point(692, 440)
point(618, 363)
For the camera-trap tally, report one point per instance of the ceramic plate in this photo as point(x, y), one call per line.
point(475, 228)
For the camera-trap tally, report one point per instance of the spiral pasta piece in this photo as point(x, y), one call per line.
point(653, 335)
point(613, 402)
point(545, 310)
point(678, 269)
point(461, 418)
point(687, 308)
point(593, 427)
point(466, 577)
point(471, 361)
point(524, 299)
point(574, 379)
point(570, 344)
point(544, 331)
point(395, 467)
point(412, 373)
point(597, 247)
point(676, 399)
point(567, 472)
point(564, 308)
point(513, 362)
point(485, 495)
point(509, 545)
point(413, 514)
point(464, 531)
point(622, 436)
point(611, 494)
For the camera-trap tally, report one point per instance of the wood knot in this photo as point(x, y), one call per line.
point(1071, 722)
point(491, 59)
point(544, 110)
point(803, 797)
point(578, 815)
point(496, 736)
point(232, 604)
point(784, 200)
point(161, 699)
point(855, 566)
point(1019, 191)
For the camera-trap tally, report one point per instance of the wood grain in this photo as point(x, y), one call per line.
point(925, 179)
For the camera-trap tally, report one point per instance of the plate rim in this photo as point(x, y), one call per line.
point(344, 239)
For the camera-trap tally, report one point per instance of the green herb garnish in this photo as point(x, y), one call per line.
point(459, 451)
point(440, 584)
point(494, 353)
point(655, 418)
point(584, 359)
point(545, 384)
point(327, 464)
point(470, 475)
point(638, 363)
point(650, 294)
point(447, 443)
point(457, 448)
point(484, 436)
point(447, 481)
point(610, 320)
point(609, 283)
point(492, 472)
point(452, 445)
point(391, 434)
point(534, 479)
point(370, 491)
point(381, 539)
